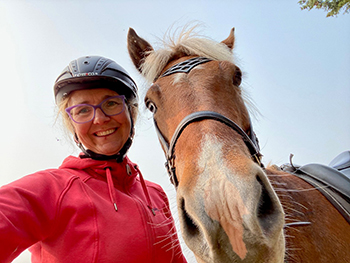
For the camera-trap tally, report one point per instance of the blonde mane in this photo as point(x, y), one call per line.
point(188, 43)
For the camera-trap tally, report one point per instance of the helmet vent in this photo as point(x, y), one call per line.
point(73, 65)
point(100, 63)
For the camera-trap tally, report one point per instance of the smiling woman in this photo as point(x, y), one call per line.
point(97, 202)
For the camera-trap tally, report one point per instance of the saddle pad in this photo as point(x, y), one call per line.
point(334, 185)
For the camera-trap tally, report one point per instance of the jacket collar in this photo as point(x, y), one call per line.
point(123, 173)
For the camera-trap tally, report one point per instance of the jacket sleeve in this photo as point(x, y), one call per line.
point(28, 208)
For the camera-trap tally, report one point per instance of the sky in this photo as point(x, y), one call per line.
point(296, 68)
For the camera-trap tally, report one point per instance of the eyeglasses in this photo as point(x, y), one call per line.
point(83, 113)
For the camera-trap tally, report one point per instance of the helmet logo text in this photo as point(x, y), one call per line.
point(86, 74)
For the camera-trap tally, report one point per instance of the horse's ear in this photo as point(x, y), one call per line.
point(230, 41)
point(138, 48)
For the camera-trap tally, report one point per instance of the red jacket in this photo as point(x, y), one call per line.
point(87, 211)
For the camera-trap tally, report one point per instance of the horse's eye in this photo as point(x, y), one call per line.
point(151, 106)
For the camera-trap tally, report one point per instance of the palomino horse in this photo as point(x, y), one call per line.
point(228, 207)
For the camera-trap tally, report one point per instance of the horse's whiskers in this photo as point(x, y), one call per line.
point(285, 196)
point(175, 246)
point(289, 236)
point(294, 210)
point(298, 223)
point(299, 190)
point(278, 183)
point(291, 219)
point(164, 239)
point(290, 258)
point(293, 228)
point(158, 225)
point(278, 175)
point(299, 204)
point(293, 249)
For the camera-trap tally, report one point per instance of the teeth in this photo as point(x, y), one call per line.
point(105, 133)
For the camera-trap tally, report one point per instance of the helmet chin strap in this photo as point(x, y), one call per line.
point(96, 156)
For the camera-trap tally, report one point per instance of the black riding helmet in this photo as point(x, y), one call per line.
point(93, 72)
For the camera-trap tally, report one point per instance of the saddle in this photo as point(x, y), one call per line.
point(332, 181)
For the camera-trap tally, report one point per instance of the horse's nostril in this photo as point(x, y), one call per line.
point(190, 228)
point(266, 210)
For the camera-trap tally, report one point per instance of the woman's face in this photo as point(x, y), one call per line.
point(104, 134)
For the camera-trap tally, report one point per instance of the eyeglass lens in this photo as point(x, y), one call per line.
point(85, 112)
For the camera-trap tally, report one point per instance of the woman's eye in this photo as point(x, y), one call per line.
point(82, 111)
point(151, 106)
point(111, 103)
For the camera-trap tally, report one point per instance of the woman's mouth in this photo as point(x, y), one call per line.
point(105, 133)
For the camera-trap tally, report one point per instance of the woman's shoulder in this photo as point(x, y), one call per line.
point(47, 178)
point(51, 178)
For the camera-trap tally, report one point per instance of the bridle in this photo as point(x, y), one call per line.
point(251, 141)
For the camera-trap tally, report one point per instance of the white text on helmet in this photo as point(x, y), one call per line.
point(86, 74)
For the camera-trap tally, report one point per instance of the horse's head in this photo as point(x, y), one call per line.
point(227, 208)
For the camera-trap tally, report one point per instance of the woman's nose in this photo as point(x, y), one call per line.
point(100, 117)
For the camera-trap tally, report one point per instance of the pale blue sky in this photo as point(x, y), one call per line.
point(296, 68)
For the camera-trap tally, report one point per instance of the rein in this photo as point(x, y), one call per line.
point(251, 141)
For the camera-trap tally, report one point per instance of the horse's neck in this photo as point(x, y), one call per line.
point(311, 222)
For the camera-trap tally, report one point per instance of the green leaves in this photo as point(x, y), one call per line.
point(332, 7)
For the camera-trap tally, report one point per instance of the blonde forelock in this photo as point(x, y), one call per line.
point(188, 43)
